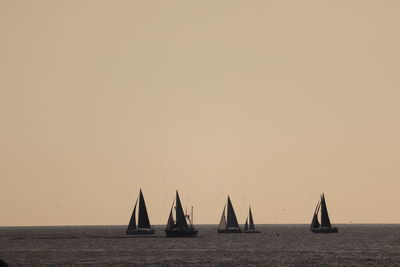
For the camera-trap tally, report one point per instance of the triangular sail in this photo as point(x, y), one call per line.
point(132, 222)
point(246, 226)
point(222, 223)
point(170, 223)
point(232, 220)
point(143, 221)
point(251, 220)
point(315, 222)
point(325, 222)
point(180, 215)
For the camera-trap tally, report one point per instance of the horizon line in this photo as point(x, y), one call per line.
point(205, 224)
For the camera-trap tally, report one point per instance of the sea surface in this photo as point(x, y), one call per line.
point(277, 245)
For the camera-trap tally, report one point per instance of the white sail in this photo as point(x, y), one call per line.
point(222, 223)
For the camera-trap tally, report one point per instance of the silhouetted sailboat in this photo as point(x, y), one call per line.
point(231, 225)
point(325, 225)
point(179, 227)
point(249, 228)
point(143, 227)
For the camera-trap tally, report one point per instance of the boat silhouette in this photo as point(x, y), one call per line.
point(228, 223)
point(325, 225)
point(179, 227)
point(249, 227)
point(143, 226)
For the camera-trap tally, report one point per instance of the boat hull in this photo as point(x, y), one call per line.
point(229, 231)
point(251, 232)
point(185, 232)
point(140, 232)
point(324, 230)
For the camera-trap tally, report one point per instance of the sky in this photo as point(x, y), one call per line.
point(271, 102)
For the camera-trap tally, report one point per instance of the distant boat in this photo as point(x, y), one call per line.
point(179, 227)
point(231, 225)
point(143, 226)
point(249, 228)
point(325, 225)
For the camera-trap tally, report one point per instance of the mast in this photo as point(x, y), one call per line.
point(251, 220)
point(143, 221)
point(232, 220)
point(132, 222)
point(191, 217)
point(325, 222)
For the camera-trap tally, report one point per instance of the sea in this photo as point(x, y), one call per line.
point(276, 245)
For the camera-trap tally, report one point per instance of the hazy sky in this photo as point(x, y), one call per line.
point(271, 102)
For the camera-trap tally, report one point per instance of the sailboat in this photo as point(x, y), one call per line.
point(179, 227)
point(249, 228)
point(231, 225)
point(325, 225)
point(143, 226)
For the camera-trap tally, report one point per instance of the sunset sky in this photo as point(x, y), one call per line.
point(271, 102)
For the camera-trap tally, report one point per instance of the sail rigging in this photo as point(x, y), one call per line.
point(222, 223)
point(143, 221)
point(132, 222)
point(315, 223)
point(251, 225)
point(325, 222)
point(232, 220)
point(246, 227)
point(228, 223)
point(323, 226)
point(170, 223)
point(179, 227)
point(180, 215)
point(142, 226)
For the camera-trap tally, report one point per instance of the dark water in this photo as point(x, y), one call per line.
point(355, 245)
